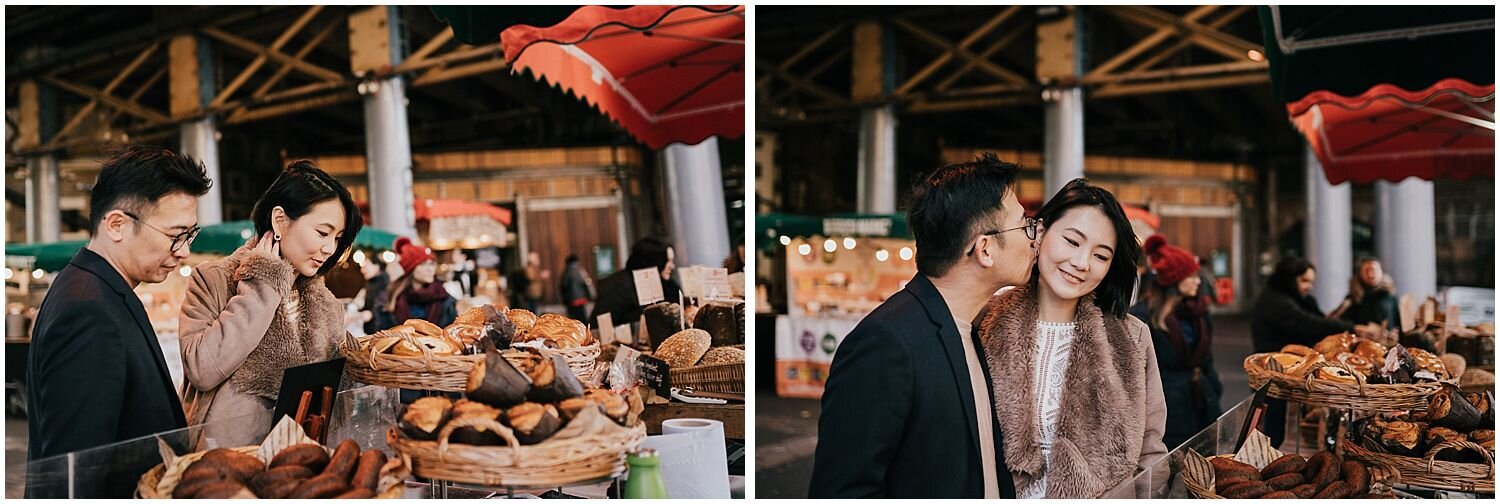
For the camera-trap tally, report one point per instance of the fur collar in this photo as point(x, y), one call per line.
point(313, 339)
point(1102, 417)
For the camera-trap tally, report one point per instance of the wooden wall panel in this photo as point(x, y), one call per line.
point(554, 234)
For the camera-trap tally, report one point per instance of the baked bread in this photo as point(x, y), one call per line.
point(662, 321)
point(438, 345)
point(684, 348)
point(1429, 362)
point(1356, 362)
point(722, 355)
point(1332, 346)
point(1305, 365)
point(1370, 349)
point(557, 331)
point(724, 321)
point(1298, 350)
point(424, 328)
point(472, 316)
point(1286, 359)
point(1334, 374)
point(523, 319)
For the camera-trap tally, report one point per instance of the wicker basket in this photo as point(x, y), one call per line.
point(1435, 474)
point(1359, 396)
point(443, 373)
point(551, 463)
point(728, 378)
point(151, 485)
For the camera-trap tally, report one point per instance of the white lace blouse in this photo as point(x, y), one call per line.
point(1054, 345)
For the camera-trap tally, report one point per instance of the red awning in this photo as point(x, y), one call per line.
point(1388, 133)
point(665, 73)
point(428, 209)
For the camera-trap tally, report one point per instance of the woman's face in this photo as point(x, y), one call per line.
point(309, 241)
point(666, 271)
point(1188, 287)
point(425, 272)
point(1371, 274)
point(1305, 281)
point(1076, 252)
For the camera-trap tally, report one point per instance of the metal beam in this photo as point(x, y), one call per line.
point(1214, 40)
point(1164, 87)
point(432, 45)
point(941, 43)
point(292, 108)
point(88, 92)
point(988, 52)
point(260, 59)
point(446, 74)
point(927, 107)
point(943, 59)
point(109, 88)
point(1148, 42)
point(803, 52)
point(1170, 73)
point(251, 47)
point(814, 72)
point(1191, 40)
point(803, 84)
point(302, 53)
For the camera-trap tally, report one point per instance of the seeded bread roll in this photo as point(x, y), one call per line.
point(723, 355)
point(684, 348)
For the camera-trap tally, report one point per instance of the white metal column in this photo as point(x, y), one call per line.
point(1328, 233)
point(1062, 158)
point(700, 229)
point(199, 140)
point(43, 218)
point(1405, 235)
point(388, 154)
point(877, 160)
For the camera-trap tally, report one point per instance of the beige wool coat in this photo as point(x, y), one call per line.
point(1113, 412)
point(237, 340)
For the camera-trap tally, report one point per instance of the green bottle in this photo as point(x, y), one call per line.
point(645, 476)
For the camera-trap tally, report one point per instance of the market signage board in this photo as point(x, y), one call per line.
point(716, 283)
point(856, 227)
point(648, 286)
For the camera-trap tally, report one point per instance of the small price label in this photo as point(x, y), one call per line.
point(648, 286)
point(654, 373)
point(606, 327)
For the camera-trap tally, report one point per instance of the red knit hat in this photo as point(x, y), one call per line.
point(1172, 264)
point(411, 255)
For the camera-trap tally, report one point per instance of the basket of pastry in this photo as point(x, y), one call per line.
point(1346, 372)
point(1449, 446)
point(419, 355)
point(555, 334)
point(529, 426)
point(694, 363)
point(1259, 471)
point(288, 465)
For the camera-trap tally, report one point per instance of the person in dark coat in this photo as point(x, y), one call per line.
point(907, 406)
point(97, 372)
point(1286, 314)
point(1372, 298)
point(617, 291)
point(1176, 309)
point(576, 288)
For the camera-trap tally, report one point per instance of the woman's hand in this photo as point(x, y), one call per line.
point(269, 245)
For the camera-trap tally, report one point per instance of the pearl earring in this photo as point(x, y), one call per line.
point(277, 237)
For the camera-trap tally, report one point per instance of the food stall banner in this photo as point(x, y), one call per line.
point(225, 238)
point(48, 256)
point(804, 352)
point(666, 73)
point(771, 227)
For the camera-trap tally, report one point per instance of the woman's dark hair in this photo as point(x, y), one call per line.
point(1112, 296)
point(649, 252)
point(947, 206)
point(1284, 277)
point(133, 178)
point(299, 187)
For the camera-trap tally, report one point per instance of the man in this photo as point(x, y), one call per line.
point(535, 280)
point(907, 407)
point(576, 289)
point(97, 371)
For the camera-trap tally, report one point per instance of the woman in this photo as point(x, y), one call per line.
point(576, 288)
point(1372, 298)
point(264, 308)
point(617, 292)
point(1285, 314)
point(1077, 393)
point(418, 294)
point(1182, 335)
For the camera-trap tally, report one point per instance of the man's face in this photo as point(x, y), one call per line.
point(148, 255)
point(1009, 254)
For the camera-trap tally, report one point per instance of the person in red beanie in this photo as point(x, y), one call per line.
point(417, 294)
point(1182, 333)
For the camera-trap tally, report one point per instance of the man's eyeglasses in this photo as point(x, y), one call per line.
point(178, 240)
point(1029, 226)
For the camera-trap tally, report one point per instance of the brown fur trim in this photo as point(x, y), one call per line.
point(315, 338)
point(1103, 413)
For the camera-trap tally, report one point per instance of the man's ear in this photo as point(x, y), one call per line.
point(982, 252)
point(113, 225)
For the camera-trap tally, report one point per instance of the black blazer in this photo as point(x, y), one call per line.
point(96, 372)
point(898, 411)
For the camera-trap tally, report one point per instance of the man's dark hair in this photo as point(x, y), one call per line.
point(572, 258)
point(947, 208)
point(649, 252)
point(1284, 278)
point(1112, 296)
point(135, 177)
point(299, 187)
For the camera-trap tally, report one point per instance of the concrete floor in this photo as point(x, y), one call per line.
point(786, 430)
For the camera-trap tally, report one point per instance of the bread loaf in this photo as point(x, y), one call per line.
point(684, 348)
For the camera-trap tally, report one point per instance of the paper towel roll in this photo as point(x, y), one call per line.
point(694, 464)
